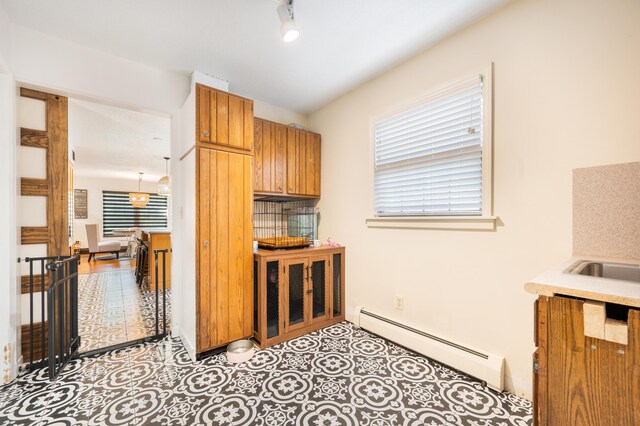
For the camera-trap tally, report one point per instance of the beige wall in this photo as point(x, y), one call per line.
point(567, 95)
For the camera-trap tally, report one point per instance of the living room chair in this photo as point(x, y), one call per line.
point(97, 246)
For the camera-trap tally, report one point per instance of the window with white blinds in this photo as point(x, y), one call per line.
point(117, 212)
point(428, 159)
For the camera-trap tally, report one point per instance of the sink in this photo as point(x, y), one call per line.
point(613, 271)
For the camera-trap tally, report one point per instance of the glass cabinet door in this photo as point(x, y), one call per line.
point(319, 296)
point(296, 272)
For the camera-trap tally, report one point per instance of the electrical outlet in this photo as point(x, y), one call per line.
point(399, 303)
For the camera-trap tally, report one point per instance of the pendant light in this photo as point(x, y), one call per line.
point(288, 28)
point(164, 184)
point(139, 199)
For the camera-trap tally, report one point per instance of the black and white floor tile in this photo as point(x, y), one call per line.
point(113, 309)
point(338, 376)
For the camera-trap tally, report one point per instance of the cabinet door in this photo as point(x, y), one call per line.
point(225, 268)
point(295, 297)
point(319, 279)
point(223, 119)
point(272, 297)
point(303, 163)
point(312, 164)
point(270, 144)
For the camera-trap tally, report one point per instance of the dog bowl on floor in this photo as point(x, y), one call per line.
point(240, 351)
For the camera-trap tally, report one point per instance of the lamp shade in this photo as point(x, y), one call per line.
point(139, 199)
point(164, 184)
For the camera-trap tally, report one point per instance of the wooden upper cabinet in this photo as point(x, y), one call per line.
point(270, 140)
point(303, 163)
point(224, 121)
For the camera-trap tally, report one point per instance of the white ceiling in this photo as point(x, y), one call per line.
point(117, 143)
point(342, 44)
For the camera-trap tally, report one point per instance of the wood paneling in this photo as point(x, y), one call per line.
point(224, 120)
point(57, 163)
point(37, 340)
point(224, 248)
point(34, 235)
point(248, 125)
point(589, 381)
point(257, 155)
point(293, 172)
point(34, 187)
point(34, 138)
point(632, 366)
point(37, 283)
point(279, 158)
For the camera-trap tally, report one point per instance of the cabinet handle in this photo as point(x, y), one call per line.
point(205, 134)
point(206, 243)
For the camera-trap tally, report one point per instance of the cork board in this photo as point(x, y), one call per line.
point(606, 211)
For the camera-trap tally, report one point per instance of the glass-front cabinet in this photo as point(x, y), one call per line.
point(297, 291)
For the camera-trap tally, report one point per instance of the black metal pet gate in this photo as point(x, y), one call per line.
point(53, 285)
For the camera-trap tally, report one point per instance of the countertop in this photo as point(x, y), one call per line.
point(304, 251)
point(558, 281)
point(155, 231)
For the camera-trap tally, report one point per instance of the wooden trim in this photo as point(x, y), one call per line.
point(57, 175)
point(540, 380)
point(37, 337)
point(223, 147)
point(37, 280)
point(34, 235)
point(33, 94)
point(34, 187)
point(34, 138)
point(633, 364)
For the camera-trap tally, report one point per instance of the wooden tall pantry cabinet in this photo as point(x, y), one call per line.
point(224, 218)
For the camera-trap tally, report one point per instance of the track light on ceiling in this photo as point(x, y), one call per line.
point(288, 28)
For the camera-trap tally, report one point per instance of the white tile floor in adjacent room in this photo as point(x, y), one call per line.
point(113, 309)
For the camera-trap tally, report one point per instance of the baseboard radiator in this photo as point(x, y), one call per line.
point(482, 365)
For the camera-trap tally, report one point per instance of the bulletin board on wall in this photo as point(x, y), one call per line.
point(80, 204)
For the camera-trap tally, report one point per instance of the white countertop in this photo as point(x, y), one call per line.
point(559, 281)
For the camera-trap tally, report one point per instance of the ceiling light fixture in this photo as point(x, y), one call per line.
point(288, 27)
point(139, 199)
point(164, 184)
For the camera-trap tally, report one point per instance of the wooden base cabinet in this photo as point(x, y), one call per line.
point(296, 292)
point(581, 380)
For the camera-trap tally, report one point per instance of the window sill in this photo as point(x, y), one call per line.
point(482, 223)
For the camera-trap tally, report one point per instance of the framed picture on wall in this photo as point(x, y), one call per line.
point(80, 204)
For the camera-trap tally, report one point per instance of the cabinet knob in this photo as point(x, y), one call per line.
point(309, 291)
point(205, 134)
point(205, 243)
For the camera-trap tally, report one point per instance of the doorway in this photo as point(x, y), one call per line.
point(114, 152)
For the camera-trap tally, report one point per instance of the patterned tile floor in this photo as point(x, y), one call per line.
point(113, 309)
point(337, 376)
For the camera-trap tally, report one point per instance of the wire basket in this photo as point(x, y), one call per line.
point(284, 224)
